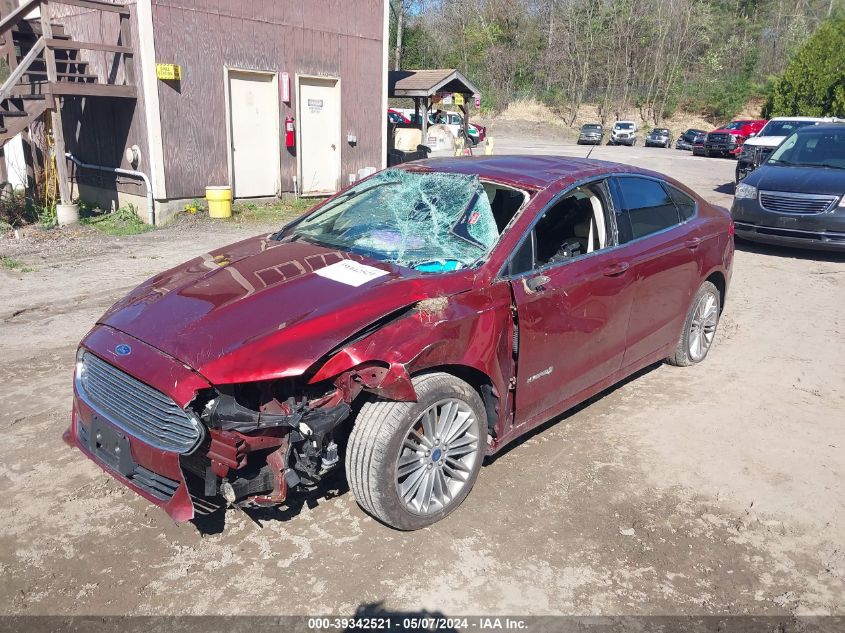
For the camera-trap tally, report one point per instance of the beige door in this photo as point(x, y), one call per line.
point(319, 135)
point(254, 129)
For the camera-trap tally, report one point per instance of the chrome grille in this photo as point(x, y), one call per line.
point(783, 202)
point(718, 138)
point(136, 408)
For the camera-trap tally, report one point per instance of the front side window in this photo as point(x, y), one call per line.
point(645, 208)
point(575, 225)
point(426, 220)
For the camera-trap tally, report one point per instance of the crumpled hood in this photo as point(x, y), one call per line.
point(258, 309)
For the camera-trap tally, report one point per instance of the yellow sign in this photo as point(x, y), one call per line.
point(459, 99)
point(169, 72)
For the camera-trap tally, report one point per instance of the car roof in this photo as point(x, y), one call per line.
point(533, 172)
point(797, 118)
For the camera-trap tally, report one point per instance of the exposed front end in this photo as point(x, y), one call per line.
point(751, 157)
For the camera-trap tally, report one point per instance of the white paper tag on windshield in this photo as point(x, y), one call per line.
point(351, 273)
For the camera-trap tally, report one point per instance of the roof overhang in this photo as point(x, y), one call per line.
point(425, 83)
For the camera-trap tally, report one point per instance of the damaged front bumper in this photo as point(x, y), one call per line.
point(158, 444)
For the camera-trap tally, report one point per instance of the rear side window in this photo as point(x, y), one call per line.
point(646, 208)
point(685, 204)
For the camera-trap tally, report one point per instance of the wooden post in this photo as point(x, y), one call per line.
point(425, 121)
point(126, 40)
point(56, 112)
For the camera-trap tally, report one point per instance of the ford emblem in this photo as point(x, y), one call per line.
point(123, 350)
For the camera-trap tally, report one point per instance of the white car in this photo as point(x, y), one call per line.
point(623, 133)
point(756, 149)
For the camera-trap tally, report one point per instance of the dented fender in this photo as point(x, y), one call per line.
point(472, 329)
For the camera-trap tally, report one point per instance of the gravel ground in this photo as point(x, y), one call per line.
point(708, 490)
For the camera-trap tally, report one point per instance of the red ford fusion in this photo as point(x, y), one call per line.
point(407, 327)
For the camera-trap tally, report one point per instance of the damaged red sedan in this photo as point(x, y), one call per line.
point(407, 327)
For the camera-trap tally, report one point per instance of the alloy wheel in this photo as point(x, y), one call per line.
point(703, 326)
point(437, 457)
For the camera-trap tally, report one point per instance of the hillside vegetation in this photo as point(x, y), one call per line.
point(620, 57)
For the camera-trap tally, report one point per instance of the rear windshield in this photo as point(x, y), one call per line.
point(783, 128)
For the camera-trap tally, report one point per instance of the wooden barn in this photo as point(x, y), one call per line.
point(178, 95)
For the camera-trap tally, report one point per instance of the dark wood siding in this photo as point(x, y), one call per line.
point(99, 129)
point(337, 38)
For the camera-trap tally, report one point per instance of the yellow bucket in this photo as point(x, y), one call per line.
point(219, 202)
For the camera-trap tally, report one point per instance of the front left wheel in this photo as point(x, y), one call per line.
point(410, 464)
point(699, 327)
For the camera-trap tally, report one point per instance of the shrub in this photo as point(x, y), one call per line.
point(813, 83)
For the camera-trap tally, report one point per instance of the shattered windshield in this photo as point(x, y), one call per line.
point(430, 221)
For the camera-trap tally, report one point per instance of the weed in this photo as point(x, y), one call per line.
point(14, 264)
point(47, 216)
point(280, 212)
point(122, 221)
point(194, 206)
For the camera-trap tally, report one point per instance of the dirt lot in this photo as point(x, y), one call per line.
point(714, 489)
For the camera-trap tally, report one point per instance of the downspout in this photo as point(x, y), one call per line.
point(151, 213)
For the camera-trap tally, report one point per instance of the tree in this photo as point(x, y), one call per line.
point(813, 83)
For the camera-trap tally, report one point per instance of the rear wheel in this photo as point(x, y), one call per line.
point(410, 464)
point(699, 328)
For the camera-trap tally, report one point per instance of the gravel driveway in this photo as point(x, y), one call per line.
point(715, 489)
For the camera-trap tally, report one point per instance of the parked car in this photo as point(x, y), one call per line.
point(728, 140)
point(623, 133)
point(408, 326)
point(797, 197)
point(756, 149)
point(395, 116)
point(591, 134)
point(685, 140)
point(659, 137)
point(455, 121)
point(698, 144)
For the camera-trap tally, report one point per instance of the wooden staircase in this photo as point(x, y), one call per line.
point(46, 65)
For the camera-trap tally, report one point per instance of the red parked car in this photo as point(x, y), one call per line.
point(410, 325)
point(728, 140)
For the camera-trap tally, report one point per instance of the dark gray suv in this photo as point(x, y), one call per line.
point(797, 197)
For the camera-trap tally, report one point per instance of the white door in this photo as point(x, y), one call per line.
point(319, 135)
point(254, 121)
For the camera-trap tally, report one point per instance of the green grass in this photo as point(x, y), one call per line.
point(279, 212)
point(14, 264)
point(120, 222)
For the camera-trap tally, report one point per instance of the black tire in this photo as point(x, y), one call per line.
point(376, 440)
point(682, 356)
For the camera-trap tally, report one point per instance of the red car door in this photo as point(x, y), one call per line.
point(662, 240)
point(572, 313)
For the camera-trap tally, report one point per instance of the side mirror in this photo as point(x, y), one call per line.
point(537, 284)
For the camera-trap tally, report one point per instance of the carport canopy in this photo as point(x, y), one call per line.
point(422, 85)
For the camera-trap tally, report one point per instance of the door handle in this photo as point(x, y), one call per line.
point(616, 269)
point(693, 243)
point(537, 284)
